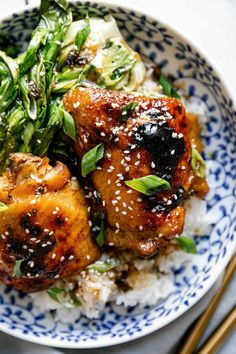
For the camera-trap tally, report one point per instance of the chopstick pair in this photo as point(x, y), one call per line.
point(216, 339)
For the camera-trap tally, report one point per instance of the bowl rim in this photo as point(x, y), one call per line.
point(219, 268)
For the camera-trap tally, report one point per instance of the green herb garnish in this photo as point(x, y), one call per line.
point(126, 110)
point(55, 293)
point(69, 125)
point(187, 244)
point(148, 185)
point(90, 159)
point(103, 267)
point(3, 207)
point(98, 229)
point(198, 164)
point(17, 268)
point(167, 87)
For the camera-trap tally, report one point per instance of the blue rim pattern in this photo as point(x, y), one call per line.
point(160, 45)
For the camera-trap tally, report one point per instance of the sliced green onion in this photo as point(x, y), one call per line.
point(167, 87)
point(90, 159)
point(187, 244)
point(126, 110)
point(17, 268)
point(69, 125)
point(55, 293)
point(98, 229)
point(149, 184)
point(3, 207)
point(198, 164)
point(103, 267)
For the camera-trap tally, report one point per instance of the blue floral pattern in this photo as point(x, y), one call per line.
point(169, 51)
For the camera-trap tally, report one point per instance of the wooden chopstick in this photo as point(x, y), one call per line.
point(220, 334)
point(200, 326)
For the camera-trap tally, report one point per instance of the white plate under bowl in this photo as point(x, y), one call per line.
point(174, 54)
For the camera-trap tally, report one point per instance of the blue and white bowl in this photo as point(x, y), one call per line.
point(176, 55)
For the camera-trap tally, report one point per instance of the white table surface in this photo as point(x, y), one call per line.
point(211, 25)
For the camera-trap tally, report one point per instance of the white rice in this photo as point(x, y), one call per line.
point(151, 280)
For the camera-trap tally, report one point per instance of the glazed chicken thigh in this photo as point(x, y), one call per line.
point(141, 136)
point(44, 229)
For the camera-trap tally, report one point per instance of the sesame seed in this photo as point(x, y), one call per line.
point(54, 212)
point(127, 169)
point(108, 181)
point(124, 212)
point(90, 223)
point(30, 250)
point(31, 264)
point(88, 256)
point(33, 239)
point(118, 197)
point(53, 256)
point(117, 230)
point(27, 231)
point(129, 191)
point(117, 192)
point(137, 163)
point(44, 245)
point(25, 247)
point(117, 209)
point(103, 203)
point(66, 219)
point(169, 202)
point(153, 165)
point(114, 202)
point(28, 274)
point(183, 168)
point(56, 276)
point(126, 152)
point(180, 135)
point(124, 204)
point(62, 259)
point(57, 208)
point(37, 275)
point(139, 200)
point(172, 152)
point(71, 257)
point(140, 227)
point(3, 237)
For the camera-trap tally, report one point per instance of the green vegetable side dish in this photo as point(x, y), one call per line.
point(148, 185)
point(91, 158)
point(187, 244)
